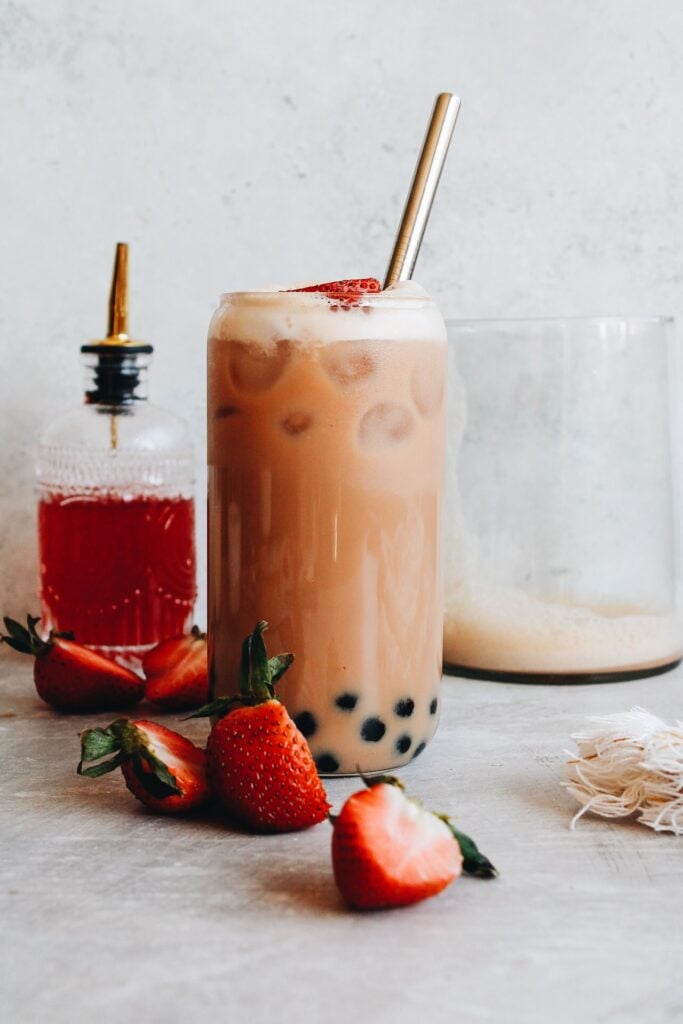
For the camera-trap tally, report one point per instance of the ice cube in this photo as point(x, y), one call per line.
point(384, 424)
point(427, 386)
point(256, 368)
point(296, 423)
point(348, 362)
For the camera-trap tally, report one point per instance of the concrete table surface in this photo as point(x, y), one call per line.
point(110, 913)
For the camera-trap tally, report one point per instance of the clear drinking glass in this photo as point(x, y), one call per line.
point(326, 450)
point(560, 524)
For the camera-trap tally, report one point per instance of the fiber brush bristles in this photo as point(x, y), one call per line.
point(630, 762)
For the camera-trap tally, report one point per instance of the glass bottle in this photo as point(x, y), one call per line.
point(116, 503)
point(561, 512)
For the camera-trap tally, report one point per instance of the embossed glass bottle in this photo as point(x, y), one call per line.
point(116, 503)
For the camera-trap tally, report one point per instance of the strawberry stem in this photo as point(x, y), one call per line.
point(379, 780)
point(28, 640)
point(126, 742)
point(473, 860)
point(258, 676)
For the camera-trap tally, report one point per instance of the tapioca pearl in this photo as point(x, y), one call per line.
point(326, 763)
point(372, 730)
point(346, 701)
point(306, 723)
point(403, 743)
point(433, 706)
point(418, 749)
point(404, 707)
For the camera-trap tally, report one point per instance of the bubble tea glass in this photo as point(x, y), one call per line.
point(326, 450)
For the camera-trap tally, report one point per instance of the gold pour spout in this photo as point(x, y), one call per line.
point(117, 331)
point(118, 297)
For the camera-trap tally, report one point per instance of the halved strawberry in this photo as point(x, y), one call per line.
point(177, 672)
point(71, 677)
point(388, 851)
point(347, 292)
point(258, 763)
point(162, 769)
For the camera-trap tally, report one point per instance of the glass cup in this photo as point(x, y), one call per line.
point(326, 451)
point(561, 533)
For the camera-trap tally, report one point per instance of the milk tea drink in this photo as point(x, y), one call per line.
point(326, 453)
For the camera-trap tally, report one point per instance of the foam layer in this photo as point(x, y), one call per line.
point(404, 312)
point(503, 629)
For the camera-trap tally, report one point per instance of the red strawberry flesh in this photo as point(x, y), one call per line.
point(73, 678)
point(163, 769)
point(348, 292)
point(184, 761)
point(261, 768)
point(388, 851)
point(177, 672)
point(259, 763)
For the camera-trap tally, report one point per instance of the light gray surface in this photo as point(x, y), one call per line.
point(235, 143)
point(110, 913)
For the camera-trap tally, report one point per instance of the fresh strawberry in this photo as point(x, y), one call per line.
point(388, 851)
point(162, 768)
point(347, 292)
point(71, 677)
point(177, 672)
point(258, 762)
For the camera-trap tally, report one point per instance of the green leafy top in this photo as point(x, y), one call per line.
point(28, 640)
point(126, 742)
point(258, 676)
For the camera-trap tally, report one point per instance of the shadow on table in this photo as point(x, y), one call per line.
point(311, 892)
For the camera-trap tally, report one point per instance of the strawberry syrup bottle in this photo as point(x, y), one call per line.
point(116, 503)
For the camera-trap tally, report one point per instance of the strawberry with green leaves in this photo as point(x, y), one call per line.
point(389, 851)
point(177, 672)
point(71, 677)
point(163, 769)
point(258, 763)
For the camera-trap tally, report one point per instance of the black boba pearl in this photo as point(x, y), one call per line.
point(347, 701)
point(404, 708)
point(306, 723)
point(326, 763)
point(418, 750)
point(373, 729)
point(403, 743)
point(433, 706)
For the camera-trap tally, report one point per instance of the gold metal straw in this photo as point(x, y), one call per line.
point(423, 188)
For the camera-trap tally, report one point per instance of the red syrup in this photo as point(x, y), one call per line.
point(117, 572)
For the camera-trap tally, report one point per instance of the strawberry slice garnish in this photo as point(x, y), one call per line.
point(258, 762)
point(71, 677)
point(177, 672)
point(347, 292)
point(163, 769)
point(389, 851)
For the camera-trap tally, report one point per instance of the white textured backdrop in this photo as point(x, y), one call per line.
point(238, 143)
